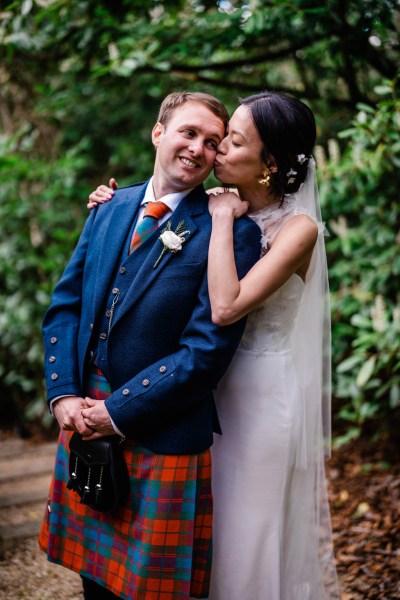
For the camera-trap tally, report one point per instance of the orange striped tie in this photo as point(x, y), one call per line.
point(152, 213)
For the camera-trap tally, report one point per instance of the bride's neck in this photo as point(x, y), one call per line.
point(258, 196)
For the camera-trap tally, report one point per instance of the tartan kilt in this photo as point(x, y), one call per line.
point(158, 545)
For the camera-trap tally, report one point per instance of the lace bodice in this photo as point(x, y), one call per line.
point(271, 326)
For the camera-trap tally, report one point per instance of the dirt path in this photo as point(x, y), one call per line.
point(25, 574)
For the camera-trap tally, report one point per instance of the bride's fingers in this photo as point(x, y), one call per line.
point(105, 188)
point(102, 194)
point(96, 198)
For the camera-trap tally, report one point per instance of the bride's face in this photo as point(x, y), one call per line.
point(239, 159)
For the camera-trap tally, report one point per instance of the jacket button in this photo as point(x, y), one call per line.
point(53, 340)
point(145, 382)
point(52, 359)
point(126, 392)
point(115, 291)
point(122, 270)
point(54, 376)
point(163, 369)
point(103, 336)
point(91, 326)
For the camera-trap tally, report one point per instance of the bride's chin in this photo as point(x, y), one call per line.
point(224, 181)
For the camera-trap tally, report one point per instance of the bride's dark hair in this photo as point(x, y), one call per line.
point(287, 130)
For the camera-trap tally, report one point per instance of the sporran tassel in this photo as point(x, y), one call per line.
point(73, 480)
point(86, 490)
point(99, 488)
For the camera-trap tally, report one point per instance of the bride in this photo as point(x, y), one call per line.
point(272, 534)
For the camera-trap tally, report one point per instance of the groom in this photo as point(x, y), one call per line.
point(136, 311)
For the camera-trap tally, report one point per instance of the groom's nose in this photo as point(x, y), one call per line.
point(196, 146)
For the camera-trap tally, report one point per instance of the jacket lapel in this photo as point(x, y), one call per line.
point(122, 213)
point(146, 255)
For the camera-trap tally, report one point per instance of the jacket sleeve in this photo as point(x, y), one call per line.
point(181, 379)
point(61, 323)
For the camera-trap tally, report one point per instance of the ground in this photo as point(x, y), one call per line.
point(365, 507)
point(364, 482)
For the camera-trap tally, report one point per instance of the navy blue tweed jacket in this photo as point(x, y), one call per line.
point(163, 356)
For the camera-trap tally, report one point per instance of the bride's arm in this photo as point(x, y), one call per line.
point(291, 251)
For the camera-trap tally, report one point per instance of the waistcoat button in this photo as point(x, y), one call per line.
point(122, 270)
point(54, 376)
point(52, 359)
point(53, 340)
point(103, 336)
point(115, 291)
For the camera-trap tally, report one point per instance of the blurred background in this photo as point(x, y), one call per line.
point(80, 86)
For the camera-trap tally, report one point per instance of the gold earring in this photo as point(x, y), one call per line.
point(265, 180)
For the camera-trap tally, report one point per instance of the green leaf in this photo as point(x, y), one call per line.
point(352, 434)
point(349, 363)
point(394, 396)
point(361, 321)
point(366, 371)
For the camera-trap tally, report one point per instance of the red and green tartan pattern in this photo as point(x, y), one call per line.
point(157, 546)
point(153, 212)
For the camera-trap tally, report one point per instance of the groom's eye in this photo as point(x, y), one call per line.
point(212, 145)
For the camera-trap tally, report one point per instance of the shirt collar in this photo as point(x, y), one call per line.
point(171, 200)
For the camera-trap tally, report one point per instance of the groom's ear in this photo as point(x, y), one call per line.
point(156, 134)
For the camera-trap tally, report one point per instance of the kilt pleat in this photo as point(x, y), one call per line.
point(155, 547)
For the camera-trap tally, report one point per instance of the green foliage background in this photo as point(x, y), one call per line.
point(81, 83)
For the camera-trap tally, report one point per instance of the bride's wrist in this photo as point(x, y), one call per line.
point(222, 214)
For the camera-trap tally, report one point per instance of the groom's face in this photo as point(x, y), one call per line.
point(186, 147)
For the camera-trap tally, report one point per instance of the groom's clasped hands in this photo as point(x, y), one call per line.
point(88, 417)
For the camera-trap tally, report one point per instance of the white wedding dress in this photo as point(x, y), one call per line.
point(272, 538)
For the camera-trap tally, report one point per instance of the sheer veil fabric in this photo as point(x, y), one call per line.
point(313, 340)
point(272, 530)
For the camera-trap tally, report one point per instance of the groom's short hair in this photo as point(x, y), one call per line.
point(177, 99)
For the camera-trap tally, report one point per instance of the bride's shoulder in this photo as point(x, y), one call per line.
point(298, 227)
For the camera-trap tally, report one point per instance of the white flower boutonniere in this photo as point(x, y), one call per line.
point(172, 240)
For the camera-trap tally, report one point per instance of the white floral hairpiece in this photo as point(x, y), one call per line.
point(301, 158)
point(291, 175)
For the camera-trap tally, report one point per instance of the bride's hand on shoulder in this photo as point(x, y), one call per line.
point(221, 202)
point(102, 194)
